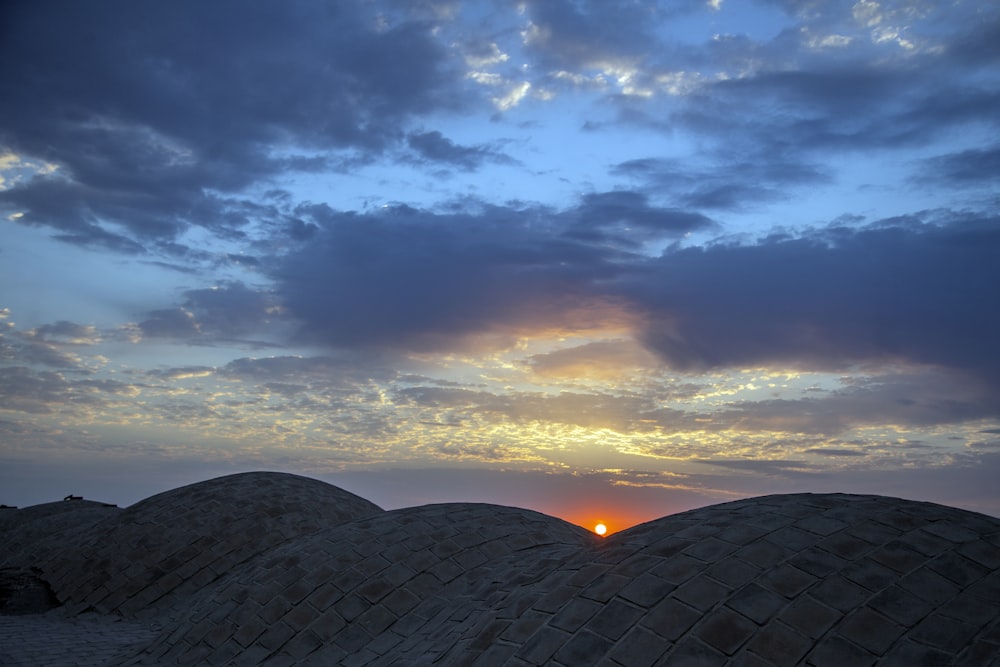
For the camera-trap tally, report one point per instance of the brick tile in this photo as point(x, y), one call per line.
point(691, 652)
point(870, 630)
point(670, 619)
point(839, 593)
point(958, 569)
point(820, 525)
point(587, 574)
point(302, 645)
point(747, 659)
point(979, 653)
point(328, 625)
point(679, 569)
point(780, 644)
point(756, 603)
point(555, 599)
point(583, 648)
point(524, 627)
point(900, 605)
point(845, 545)
point(765, 554)
point(275, 636)
point(577, 612)
point(300, 617)
point(614, 619)
point(787, 580)
point(352, 638)
point(943, 632)
point(809, 616)
point(725, 630)
point(817, 562)
point(929, 585)
point(635, 565)
point(910, 654)
point(376, 619)
point(541, 646)
point(869, 574)
point(966, 607)
point(668, 546)
point(639, 648)
point(982, 552)
point(792, 538)
point(647, 589)
point(899, 557)
point(951, 531)
point(836, 651)
point(873, 532)
point(733, 572)
point(701, 593)
point(741, 534)
point(605, 587)
point(495, 654)
point(710, 549)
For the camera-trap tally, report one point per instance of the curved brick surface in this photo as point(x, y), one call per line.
point(181, 540)
point(780, 580)
point(37, 533)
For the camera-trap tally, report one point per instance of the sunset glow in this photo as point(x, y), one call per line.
point(600, 529)
point(596, 259)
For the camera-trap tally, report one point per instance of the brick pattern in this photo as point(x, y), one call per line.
point(780, 580)
point(177, 542)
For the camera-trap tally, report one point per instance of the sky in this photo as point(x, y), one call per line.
point(604, 259)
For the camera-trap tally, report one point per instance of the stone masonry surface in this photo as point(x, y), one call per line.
point(275, 569)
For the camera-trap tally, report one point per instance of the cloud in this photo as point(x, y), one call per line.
point(26, 390)
point(729, 185)
point(163, 124)
point(229, 311)
point(909, 289)
point(65, 333)
point(912, 289)
point(968, 168)
point(627, 218)
point(435, 147)
point(602, 360)
point(422, 280)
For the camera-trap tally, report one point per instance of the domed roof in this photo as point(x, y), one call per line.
point(318, 576)
point(186, 538)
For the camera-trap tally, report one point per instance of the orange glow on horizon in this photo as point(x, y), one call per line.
point(601, 529)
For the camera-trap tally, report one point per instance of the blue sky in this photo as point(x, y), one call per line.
point(594, 258)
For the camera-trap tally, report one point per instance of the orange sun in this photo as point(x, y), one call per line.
point(600, 529)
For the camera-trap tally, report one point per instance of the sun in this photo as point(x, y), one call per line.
point(600, 529)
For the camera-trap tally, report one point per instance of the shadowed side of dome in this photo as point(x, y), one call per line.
point(382, 583)
point(181, 540)
point(34, 534)
point(796, 579)
point(275, 570)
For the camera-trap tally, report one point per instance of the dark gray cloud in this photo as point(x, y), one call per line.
point(423, 280)
point(226, 312)
point(150, 110)
point(435, 147)
point(627, 217)
point(913, 289)
point(969, 168)
point(733, 184)
point(64, 332)
point(24, 389)
point(569, 35)
point(902, 289)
